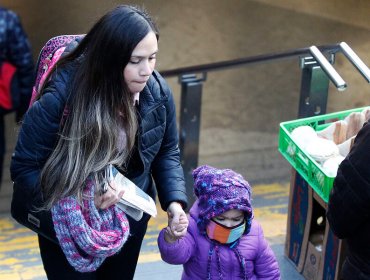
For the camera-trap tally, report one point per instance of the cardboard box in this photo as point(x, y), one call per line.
point(299, 220)
point(303, 210)
point(312, 262)
point(333, 255)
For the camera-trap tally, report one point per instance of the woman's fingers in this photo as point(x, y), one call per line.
point(109, 198)
point(180, 232)
point(179, 226)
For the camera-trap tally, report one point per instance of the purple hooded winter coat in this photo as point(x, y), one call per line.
point(194, 250)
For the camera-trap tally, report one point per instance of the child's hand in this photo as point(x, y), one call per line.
point(177, 220)
point(169, 237)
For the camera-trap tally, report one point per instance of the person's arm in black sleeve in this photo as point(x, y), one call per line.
point(349, 201)
point(167, 170)
point(20, 55)
point(37, 139)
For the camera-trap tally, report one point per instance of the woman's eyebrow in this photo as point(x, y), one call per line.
point(142, 56)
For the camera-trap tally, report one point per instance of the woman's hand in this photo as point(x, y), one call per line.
point(177, 222)
point(113, 194)
point(169, 237)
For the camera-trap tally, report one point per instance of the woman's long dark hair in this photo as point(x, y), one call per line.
point(99, 105)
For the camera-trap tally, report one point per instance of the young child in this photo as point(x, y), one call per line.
point(223, 241)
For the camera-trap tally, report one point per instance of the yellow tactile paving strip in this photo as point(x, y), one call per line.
point(19, 255)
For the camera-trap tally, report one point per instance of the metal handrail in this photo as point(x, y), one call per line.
point(316, 68)
point(247, 60)
point(355, 60)
point(328, 68)
point(314, 51)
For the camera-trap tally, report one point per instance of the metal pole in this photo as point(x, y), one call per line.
point(190, 114)
point(314, 89)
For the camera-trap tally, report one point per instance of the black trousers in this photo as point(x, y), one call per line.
point(120, 266)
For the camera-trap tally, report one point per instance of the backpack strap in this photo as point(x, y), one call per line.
point(49, 55)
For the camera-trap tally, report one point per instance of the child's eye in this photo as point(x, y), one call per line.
point(134, 61)
point(238, 219)
point(219, 219)
point(152, 57)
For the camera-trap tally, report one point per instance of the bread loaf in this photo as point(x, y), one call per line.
point(336, 131)
point(366, 113)
point(355, 121)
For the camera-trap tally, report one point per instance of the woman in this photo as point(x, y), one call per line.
point(104, 104)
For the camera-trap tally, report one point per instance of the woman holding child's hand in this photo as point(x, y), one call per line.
point(103, 104)
point(177, 222)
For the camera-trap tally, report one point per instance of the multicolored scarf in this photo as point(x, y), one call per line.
point(88, 235)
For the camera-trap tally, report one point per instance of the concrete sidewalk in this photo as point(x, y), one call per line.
point(270, 208)
point(19, 254)
point(162, 270)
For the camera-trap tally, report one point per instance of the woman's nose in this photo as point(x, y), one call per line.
point(146, 69)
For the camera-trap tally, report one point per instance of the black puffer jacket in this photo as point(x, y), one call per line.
point(157, 156)
point(15, 48)
point(349, 204)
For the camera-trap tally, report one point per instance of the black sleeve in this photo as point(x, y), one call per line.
point(19, 54)
point(167, 170)
point(349, 201)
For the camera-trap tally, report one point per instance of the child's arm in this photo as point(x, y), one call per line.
point(169, 237)
point(176, 250)
point(266, 265)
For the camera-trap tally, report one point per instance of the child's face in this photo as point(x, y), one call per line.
point(230, 218)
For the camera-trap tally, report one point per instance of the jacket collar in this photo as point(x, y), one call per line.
point(152, 95)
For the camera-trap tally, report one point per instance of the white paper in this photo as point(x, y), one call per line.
point(134, 200)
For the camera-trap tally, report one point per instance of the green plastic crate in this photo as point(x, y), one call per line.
point(303, 163)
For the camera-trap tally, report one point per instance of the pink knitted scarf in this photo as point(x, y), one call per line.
point(88, 235)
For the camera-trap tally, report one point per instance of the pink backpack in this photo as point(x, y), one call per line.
point(49, 55)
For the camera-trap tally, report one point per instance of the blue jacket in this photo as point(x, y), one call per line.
point(157, 155)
